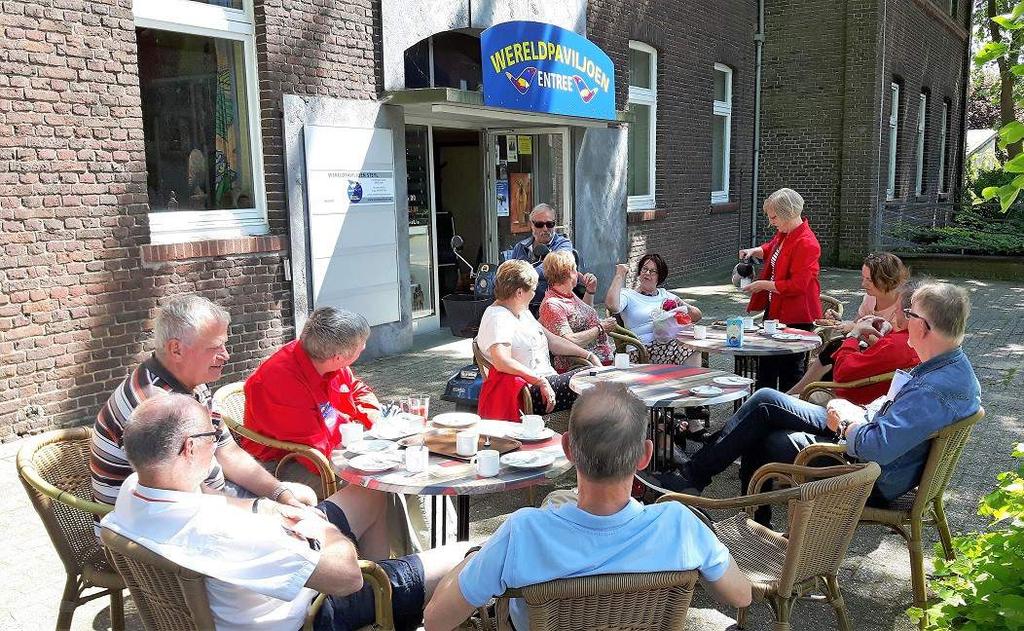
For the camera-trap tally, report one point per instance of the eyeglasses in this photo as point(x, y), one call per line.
point(544, 224)
point(910, 314)
point(648, 271)
point(216, 434)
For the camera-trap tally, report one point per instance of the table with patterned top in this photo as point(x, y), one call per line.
point(665, 388)
point(755, 344)
point(451, 476)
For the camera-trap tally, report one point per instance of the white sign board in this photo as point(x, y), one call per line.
point(353, 228)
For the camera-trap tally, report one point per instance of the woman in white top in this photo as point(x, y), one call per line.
point(636, 305)
point(516, 344)
point(881, 277)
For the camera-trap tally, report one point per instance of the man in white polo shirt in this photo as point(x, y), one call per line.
point(604, 532)
point(264, 561)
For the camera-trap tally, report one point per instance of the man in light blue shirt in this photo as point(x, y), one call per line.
point(603, 532)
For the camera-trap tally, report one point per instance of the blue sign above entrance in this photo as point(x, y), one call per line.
point(544, 68)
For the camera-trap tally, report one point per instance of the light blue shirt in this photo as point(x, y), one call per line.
point(541, 544)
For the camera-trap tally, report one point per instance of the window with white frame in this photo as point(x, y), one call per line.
point(894, 128)
point(922, 128)
point(943, 142)
point(643, 104)
point(200, 117)
point(721, 129)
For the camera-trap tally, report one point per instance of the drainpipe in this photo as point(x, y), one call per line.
point(758, 56)
point(962, 145)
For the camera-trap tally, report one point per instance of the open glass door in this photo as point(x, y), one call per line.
point(525, 167)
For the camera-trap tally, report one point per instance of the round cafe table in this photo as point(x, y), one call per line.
point(755, 344)
point(451, 476)
point(663, 388)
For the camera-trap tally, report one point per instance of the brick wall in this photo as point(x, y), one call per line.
point(684, 230)
point(77, 297)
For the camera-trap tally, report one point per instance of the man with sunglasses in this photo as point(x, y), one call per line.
point(892, 431)
point(542, 228)
point(191, 335)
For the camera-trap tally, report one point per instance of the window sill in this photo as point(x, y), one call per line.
point(720, 208)
point(640, 216)
point(171, 252)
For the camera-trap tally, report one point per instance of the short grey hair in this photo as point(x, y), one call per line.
point(787, 203)
point(542, 207)
point(607, 427)
point(158, 428)
point(330, 331)
point(183, 316)
point(946, 307)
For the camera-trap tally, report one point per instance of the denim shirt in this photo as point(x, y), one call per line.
point(522, 251)
point(941, 391)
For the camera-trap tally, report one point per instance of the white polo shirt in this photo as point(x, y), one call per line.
point(256, 571)
point(524, 334)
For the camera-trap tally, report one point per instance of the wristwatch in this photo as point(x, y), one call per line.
point(841, 430)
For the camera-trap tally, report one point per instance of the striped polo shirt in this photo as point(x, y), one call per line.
point(107, 461)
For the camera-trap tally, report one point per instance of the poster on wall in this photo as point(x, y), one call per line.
point(525, 145)
point(512, 148)
point(521, 201)
point(501, 195)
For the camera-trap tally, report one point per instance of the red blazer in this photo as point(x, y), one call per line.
point(798, 296)
point(849, 363)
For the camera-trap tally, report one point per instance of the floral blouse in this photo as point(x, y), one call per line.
point(563, 314)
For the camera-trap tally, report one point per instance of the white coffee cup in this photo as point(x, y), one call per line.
point(416, 458)
point(771, 326)
point(622, 360)
point(700, 332)
point(533, 424)
point(351, 433)
point(748, 322)
point(486, 461)
point(465, 443)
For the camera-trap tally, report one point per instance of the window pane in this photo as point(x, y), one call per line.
point(195, 122)
point(639, 164)
point(717, 152)
point(421, 247)
point(417, 65)
point(721, 79)
point(639, 68)
point(231, 4)
point(457, 61)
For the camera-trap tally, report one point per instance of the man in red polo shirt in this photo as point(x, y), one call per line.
point(306, 391)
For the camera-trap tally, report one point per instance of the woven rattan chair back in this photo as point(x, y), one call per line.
point(169, 597)
point(821, 524)
point(653, 601)
point(945, 452)
point(229, 401)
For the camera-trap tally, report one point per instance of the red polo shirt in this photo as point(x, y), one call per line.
point(287, 399)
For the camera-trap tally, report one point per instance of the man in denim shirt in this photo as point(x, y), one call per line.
point(542, 228)
point(774, 427)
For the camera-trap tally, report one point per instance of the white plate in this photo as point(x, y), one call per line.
point(372, 446)
point(732, 381)
point(752, 329)
point(397, 426)
point(706, 391)
point(456, 419)
point(528, 459)
point(789, 337)
point(375, 463)
point(520, 434)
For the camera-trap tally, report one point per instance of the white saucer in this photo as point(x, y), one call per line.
point(375, 463)
point(372, 446)
point(731, 381)
point(528, 459)
point(519, 434)
point(456, 419)
point(706, 391)
point(789, 337)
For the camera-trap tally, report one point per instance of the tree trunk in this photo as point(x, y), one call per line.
point(1007, 80)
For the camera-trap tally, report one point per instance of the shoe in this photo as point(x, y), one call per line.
point(647, 487)
point(679, 482)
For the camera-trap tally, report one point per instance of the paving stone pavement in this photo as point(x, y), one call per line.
point(875, 576)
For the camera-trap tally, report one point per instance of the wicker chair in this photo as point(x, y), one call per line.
point(909, 513)
point(826, 390)
point(824, 505)
point(525, 401)
point(610, 602)
point(625, 339)
point(229, 401)
point(828, 302)
point(54, 469)
point(172, 598)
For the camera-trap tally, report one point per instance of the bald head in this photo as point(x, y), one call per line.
point(159, 428)
point(607, 428)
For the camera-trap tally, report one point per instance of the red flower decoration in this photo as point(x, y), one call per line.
point(669, 304)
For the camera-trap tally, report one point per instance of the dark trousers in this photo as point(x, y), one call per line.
point(784, 371)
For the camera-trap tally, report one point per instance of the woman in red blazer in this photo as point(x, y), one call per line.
point(788, 290)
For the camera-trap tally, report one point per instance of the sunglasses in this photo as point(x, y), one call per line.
point(217, 434)
point(544, 224)
point(910, 314)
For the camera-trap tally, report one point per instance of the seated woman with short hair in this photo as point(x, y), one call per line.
point(512, 340)
point(567, 315)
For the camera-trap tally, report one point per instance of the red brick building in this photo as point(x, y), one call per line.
point(151, 148)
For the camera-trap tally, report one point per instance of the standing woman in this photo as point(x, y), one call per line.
point(788, 290)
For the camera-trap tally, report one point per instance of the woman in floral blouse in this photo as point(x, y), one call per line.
point(566, 315)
